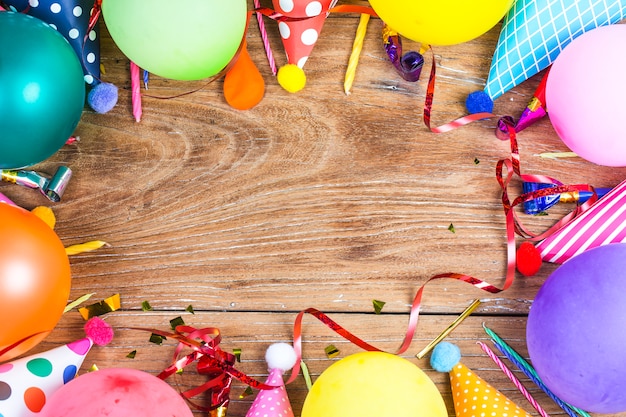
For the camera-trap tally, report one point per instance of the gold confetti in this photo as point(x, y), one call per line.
point(177, 321)
point(378, 306)
point(132, 354)
point(237, 353)
point(331, 351)
point(107, 305)
point(85, 247)
point(156, 339)
point(46, 214)
point(189, 309)
point(247, 392)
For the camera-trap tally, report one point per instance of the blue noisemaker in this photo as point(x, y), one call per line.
point(541, 204)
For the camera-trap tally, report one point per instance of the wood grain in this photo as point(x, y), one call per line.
point(314, 199)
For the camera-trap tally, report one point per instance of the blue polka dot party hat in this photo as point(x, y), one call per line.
point(71, 19)
point(534, 32)
point(27, 383)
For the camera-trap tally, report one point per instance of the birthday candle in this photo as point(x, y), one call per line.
point(530, 372)
point(357, 46)
point(264, 38)
point(513, 379)
point(135, 91)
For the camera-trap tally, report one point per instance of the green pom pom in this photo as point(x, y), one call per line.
point(291, 78)
point(445, 356)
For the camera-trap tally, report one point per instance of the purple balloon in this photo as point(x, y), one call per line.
point(576, 330)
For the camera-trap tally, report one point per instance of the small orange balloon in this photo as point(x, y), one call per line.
point(34, 280)
point(244, 86)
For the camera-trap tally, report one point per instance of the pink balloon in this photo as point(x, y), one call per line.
point(585, 95)
point(116, 392)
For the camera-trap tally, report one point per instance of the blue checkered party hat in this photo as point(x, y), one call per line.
point(534, 32)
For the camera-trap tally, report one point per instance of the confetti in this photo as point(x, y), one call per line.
point(555, 155)
point(331, 351)
point(107, 305)
point(145, 306)
point(237, 353)
point(156, 339)
point(246, 393)
point(476, 161)
point(46, 214)
point(132, 354)
point(306, 374)
point(189, 309)
point(378, 306)
point(451, 228)
point(177, 321)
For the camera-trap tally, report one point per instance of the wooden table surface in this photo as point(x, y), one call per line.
point(315, 199)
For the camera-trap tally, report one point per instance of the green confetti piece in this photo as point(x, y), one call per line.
point(451, 228)
point(176, 321)
point(145, 306)
point(156, 339)
point(237, 353)
point(189, 309)
point(179, 371)
point(306, 374)
point(331, 351)
point(378, 306)
point(247, 392)
point(476, 161)
point(132, 354)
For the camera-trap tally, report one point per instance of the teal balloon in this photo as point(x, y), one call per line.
point(42, 90)
point(180, 40)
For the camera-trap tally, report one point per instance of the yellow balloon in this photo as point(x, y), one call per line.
point(374, 384)
point(441, 22)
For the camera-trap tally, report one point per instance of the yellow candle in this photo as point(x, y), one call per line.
point(356, 51)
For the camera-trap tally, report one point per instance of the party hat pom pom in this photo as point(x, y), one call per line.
point(528, 259)
point(103, 97)
point(479, 102)
point(99, 331)
point(445, 356)
point(280, 356)
point(291, 77)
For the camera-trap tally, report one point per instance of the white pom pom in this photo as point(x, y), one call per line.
point(280, 356)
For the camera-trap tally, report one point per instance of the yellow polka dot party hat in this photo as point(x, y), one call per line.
point(472, 395)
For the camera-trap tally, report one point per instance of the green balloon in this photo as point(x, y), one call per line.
point(181, 40)
point(42, 90)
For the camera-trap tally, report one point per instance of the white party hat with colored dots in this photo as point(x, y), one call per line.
point(274, 402)
point(27, 383)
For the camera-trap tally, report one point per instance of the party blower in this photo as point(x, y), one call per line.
point(541, 204)
point(53, 187)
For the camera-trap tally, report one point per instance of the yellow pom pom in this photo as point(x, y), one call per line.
point(46, 214)
point(291, 78)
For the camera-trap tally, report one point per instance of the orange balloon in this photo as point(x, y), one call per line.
point(34, 280)
point(244, 86)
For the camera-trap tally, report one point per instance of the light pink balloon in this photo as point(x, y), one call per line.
point(116, 392)
point(586, 95)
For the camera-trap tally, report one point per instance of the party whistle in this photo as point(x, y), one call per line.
point(53, 188)
point(534, 111)
point(409, 65)
point(540, 204)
